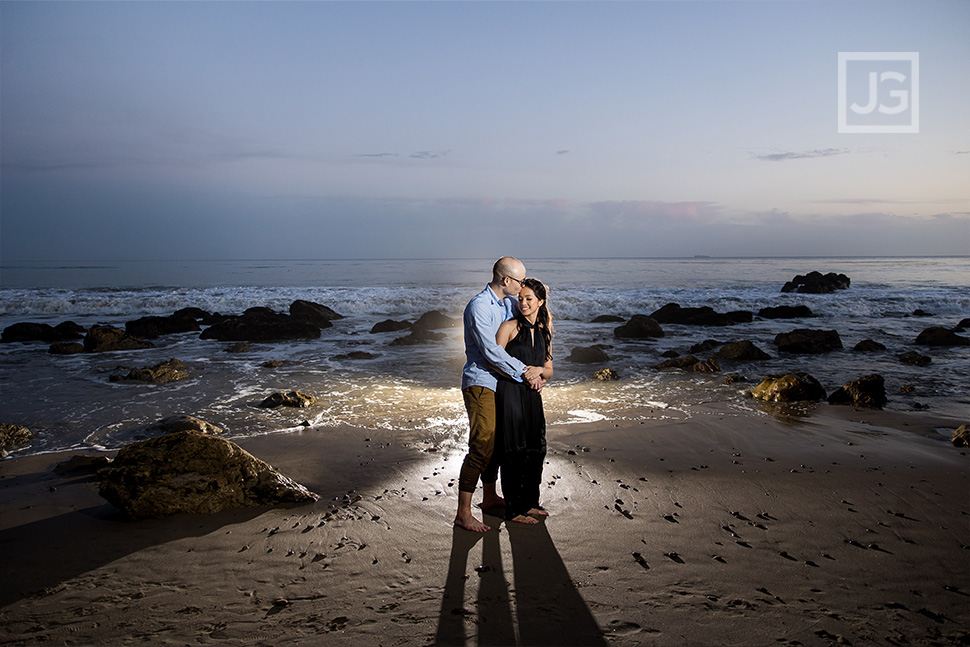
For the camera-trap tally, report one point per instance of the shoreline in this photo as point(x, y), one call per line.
point(841, 525)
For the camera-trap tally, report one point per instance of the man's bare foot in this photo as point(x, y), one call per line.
point(523, 518)
point(491, 502)
point(468, 522)
point(538, 512)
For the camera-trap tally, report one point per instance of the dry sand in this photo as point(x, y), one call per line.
point(833, 526)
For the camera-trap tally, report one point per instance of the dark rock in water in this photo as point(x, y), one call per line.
point(937, 336)
point(915, 359)
point(419, 336)
point(673, 313)
point(734, 378)
point(262, 325)
point(273, 363)
point(670, 354)
point(705, 346)
point(239, 347)
point(434, 320)
point(918, 312)
point(608, 319)
point(193, 313)
point(961, 436)
point(786, 312)
point(588, 355)
point(963, 325)
point(313, 312)
point(868, 392)
point(66, 348)
point(152, 327)
point(791, 387)
point(868, 346)
point(389, 325)
point(291, 399)
point(13, 436)
point(817, 283)
point(355, 355)
point(706, 366)
point(690, 363)
point(805, 341)
point(80, 464)
point(170, 371)
point(182, 422)
point(108, 338)
point(740, 351)
point(192, 472)
point(639, 327)
point(606, 375)
point(31, 331)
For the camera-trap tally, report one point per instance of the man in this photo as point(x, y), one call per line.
point(482, 318)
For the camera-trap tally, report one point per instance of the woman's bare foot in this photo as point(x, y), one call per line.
point(538, 512)
point(468, 522)
point(523, 518)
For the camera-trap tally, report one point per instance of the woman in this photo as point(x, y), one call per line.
point(521, 427)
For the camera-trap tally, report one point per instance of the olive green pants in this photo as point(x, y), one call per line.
point(480, 405)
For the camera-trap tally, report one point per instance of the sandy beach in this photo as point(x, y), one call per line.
point(826, 525)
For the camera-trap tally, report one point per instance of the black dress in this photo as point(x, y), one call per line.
point(521, 426)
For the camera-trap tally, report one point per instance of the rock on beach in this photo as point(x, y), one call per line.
point(806, 341)
point(162, 373)
point(12, 436)
point(291, 399)
point(107, 338)
point(791, 387)
point(867, 392)
point(193, 472)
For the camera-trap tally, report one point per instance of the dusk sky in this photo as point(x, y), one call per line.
point(268, 130)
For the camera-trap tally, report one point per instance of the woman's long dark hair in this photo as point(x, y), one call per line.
point(543, 319)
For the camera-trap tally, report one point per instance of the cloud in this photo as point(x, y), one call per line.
point(562, 152)
point(428, 155)
point(628, 213)
point(791, 155)
point(376, 155)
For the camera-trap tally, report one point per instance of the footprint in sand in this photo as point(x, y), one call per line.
point(621, 628)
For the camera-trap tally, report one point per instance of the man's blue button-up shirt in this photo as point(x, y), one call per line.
point(482, 318)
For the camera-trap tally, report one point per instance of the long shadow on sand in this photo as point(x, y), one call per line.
point(36, 557)
point(548, 608)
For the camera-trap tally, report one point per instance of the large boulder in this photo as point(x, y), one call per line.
point(171, 424)
point(66, 348)
point(786, 312)
point(193, 472)
point(673, 313)
point(419, 336)
point(262, 325)
point(313, 312)
point(588, 355)
point(389, 325)
point(608, 319)
point(434, 320)
point(938, 336)
point(805, 341)
point(152, 327)
point(817, 283)
point(868, 392)
point(868, 346)
point(639, 327)
point(162, 373)
point(740, 351)
point(32, 331)
point(13, 436)
point(791, 387)
point(107, 338)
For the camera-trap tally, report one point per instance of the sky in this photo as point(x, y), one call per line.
point(555, 129)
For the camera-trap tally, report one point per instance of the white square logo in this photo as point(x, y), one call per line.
point(878, 92)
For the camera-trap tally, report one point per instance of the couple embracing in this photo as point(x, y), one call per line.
point(508, 358)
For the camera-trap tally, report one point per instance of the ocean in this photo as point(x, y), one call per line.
point(70, 403)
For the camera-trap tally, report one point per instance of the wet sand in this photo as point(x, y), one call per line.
point(823, 526)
